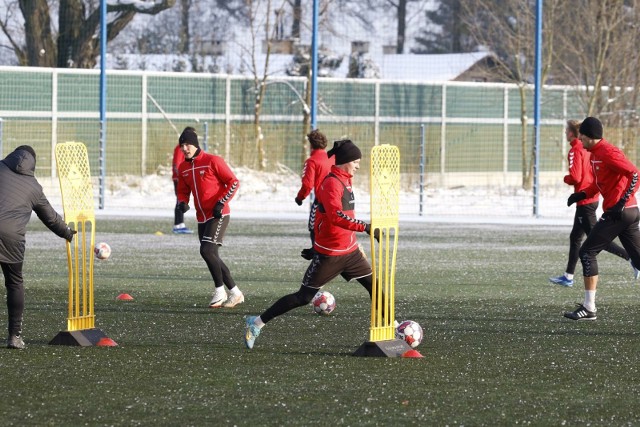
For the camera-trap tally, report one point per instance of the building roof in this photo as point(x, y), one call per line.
point(424, 67)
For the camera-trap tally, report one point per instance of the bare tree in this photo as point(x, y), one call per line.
point(77, 42)
point(400, 7)
point(444, 31)
point(296, 7)
point(185, 32)
point(604, 62)
point(258, 14)
point(508, 28)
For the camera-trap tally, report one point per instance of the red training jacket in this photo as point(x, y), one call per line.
point(178, 157)
point(580, 174)
point(315, 168)
point(210, 180)
point(335, 223)
point(614, 175)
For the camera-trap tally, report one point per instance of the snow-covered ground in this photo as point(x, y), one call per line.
point(270, 195)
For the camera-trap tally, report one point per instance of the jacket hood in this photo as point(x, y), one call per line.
point(22, 162)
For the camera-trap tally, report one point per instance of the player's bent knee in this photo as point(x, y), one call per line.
point(305, 294)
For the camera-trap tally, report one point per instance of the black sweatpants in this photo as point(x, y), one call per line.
point(322, 270)
point(603, 233)
point(211, 234)
point(583, 221)
point(15, 295)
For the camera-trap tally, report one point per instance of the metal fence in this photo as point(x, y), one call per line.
point(456, 137)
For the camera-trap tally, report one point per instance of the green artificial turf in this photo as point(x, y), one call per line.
point(497, 350)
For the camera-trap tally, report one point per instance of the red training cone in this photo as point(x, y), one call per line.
point(124, 297)
point(106, 342)
point(412, 354)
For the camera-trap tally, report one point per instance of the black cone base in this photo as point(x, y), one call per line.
point(386, 348)
point(84, 338)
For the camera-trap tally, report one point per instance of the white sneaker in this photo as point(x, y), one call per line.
point(636, 272)
point(219, 297)
point(233, 300)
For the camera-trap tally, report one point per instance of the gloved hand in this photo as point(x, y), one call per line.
point(376, 233)
point(576, 197)
point(307, 254)
point(615, 213)
point(217, 210)
point(298, 201)
point(183, 207)
point(69, 234)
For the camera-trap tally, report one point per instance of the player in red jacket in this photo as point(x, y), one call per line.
point(315, 168)
point(580, 177)
point(616, 178)
point(213, 185)
point(336, 248)
point(178, 215)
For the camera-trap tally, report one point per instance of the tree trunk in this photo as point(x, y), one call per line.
point(70, 23)
point(402, 25)
point(185, 33)
point(456, 30)
point(306, 118)
point(297, 17)
point(78, 44)
point(527, 166)
point(257, 129)
point(40, 47)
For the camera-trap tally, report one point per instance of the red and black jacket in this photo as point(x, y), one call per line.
point(210, 180)
point(580, 174)
point(615, 177)
point(315, 169)
point(335, 223)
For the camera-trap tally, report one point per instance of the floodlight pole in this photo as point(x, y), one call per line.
point(103, 103)
point(314, 66)
point(536, 110)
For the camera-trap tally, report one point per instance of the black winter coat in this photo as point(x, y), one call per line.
point(20, 194)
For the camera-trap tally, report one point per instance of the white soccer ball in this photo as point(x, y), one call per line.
point(410, 332)
point(323, 303)
point(102, 250)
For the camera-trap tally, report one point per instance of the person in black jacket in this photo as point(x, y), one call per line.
point(20, 194)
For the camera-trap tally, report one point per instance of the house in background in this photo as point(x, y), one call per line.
point(470, 67)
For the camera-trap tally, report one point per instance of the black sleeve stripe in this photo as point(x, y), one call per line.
point(632, 186)
point(348, 218)
point(232, 190)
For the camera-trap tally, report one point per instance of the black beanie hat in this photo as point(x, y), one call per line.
point(189, 136)
point(345, 152)
point(27, 148)
point(591, 127)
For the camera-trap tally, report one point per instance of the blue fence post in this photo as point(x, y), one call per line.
point(1, 139)
point(422, 155)
point(205, 143)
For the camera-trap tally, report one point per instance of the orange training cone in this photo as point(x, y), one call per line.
point(412, 354)
point(106, 342)
point(124, 297)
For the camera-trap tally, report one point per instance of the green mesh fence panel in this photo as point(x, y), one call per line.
point(79, 93)
point(471, 130)
point(122, 90)
point(410, 100)
point(463, 155)
point(340, 100)
point(25, 91)
point(199, 95)
point(476, 102)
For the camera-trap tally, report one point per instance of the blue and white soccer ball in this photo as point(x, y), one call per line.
point(323, 303)
point(410, 332)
